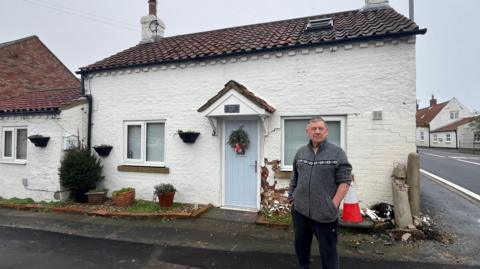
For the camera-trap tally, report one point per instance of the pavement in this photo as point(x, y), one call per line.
point(227, 234)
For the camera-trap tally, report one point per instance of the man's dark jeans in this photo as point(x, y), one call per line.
point(326, 234)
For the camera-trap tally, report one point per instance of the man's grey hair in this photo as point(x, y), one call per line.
point(317, 119)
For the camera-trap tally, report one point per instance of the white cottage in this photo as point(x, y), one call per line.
point(356, 69)
point(437, 124)
point(39, 96)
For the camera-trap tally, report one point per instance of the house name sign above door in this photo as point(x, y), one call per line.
point(232, 108)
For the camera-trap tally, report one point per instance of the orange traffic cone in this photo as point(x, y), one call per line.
point(351, 208)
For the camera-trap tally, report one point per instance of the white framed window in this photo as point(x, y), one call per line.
point(294, 135)
point(422, 136)
point(453, 115)
point(435, 138)
point(14, 144)
point(144, 142)
point(448, 138)
point(476, 137)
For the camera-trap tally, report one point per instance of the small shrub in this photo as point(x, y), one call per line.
point(80, 171)
point(164, 188)
point(123, 190)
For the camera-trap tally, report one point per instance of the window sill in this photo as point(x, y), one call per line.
point(143, 169)
point(14, 162)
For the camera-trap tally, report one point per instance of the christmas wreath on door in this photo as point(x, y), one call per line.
point(239, 141)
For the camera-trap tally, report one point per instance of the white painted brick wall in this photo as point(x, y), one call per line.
point(41, 168)
point(351, 82)
point(442, 140)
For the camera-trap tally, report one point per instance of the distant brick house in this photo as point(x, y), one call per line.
point(354, 68)
point(38, 96)
point(444, 125)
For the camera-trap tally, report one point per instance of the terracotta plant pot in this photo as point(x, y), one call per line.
point(124, 199)
point(96, 198)
point(166, 199)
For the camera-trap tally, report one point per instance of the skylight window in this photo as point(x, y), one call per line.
point(320, 24)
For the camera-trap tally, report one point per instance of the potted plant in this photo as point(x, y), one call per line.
point(124, 197)
point(103, 150)
point(97, 196)
point(79, 172)
point(39, 140)
point(165, 193)
point(189, 136)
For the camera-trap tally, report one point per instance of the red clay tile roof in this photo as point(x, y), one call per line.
point(38, 101)
point(453, 126)
point(347, 26)
point(27, 65)
point(425, 115)
point(242, 90)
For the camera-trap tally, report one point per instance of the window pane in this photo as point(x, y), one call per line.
point(334, 132)
point(295, 137)
point(22, 144)
point(7, 151)
point(155, 142)
point(134, 142)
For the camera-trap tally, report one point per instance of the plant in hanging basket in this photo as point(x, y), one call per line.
point(103, 150)
point(123, 197)
point(165, 194)
point(39, 140)
point(239, 141)
point(189, 136)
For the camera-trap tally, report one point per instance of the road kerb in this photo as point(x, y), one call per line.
point(453, 185)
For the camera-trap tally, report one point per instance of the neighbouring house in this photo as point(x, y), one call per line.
point(41, 114)
point(437, 124)
point(263, 81)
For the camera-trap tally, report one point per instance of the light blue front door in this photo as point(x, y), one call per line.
point(240, 170)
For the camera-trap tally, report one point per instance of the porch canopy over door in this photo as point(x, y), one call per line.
point(235, 100)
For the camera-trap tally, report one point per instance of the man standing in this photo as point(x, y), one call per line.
point(320, 180)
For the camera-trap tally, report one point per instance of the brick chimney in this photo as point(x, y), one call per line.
point(152, 28)
point(433, 101)
point(373, 4)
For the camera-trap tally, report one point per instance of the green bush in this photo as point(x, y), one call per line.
point(80, 170)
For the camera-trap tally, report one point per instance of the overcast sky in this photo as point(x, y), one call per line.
point(81, 32)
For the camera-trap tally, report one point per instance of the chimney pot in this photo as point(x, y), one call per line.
point(374, 4)
point(433, 101)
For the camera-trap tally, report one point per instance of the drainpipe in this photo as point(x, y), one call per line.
point(90, 103)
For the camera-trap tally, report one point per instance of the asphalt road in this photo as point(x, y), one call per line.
point(24, 248)
point(459, 168)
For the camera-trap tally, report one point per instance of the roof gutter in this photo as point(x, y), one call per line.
point(29, 113)
point(330, 42)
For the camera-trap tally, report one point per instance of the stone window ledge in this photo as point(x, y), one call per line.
point(143, 169)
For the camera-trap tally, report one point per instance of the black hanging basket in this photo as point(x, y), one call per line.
point(188, 137)
point(103, 150)
point(39, 140)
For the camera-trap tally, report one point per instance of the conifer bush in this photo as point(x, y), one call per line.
point(80, 171)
